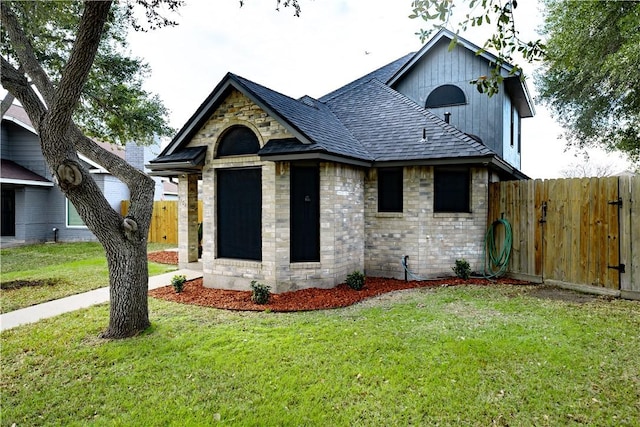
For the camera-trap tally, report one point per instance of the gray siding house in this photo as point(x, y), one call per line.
point(32, 207)
point(299, 193)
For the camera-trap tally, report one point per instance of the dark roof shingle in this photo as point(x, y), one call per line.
point(391, 126)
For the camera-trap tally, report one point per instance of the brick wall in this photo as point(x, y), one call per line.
point(353, 235)
point(433, 241)
point(341, 216)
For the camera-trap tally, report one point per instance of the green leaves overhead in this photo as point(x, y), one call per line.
point(113, 107)
point(505, 40)
point(590, 79)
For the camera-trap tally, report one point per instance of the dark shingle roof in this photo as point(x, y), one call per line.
point(316, 122)
point(365, 120)
point(11, 172)
point(193, 156)
point(390, 126)
point(382, 74)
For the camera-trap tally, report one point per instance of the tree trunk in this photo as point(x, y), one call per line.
point(124, 239)
point(128, 286)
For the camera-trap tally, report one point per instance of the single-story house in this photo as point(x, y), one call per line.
point(33, 208)
point(299, 193)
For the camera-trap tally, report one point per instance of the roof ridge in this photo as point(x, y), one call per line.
point(400, 62)
point(244, 79)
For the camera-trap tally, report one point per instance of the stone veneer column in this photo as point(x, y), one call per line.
point(187, 220)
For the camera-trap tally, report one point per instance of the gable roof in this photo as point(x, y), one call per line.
point(18, 115)
point(393, 127)
point(365, 122)
point(13, 173)
point(512, 82)
point(311, 122)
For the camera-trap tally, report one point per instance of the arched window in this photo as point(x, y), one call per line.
point(238, 141)
point(444, 96)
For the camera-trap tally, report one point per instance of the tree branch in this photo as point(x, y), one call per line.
point(17, 84)
point(76, 71)
point(25, 53)
point(6, 103)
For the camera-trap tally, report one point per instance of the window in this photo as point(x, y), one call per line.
point(390, 190)
point(513, 125)
point(444, 96)
point(238, 141)
point(73, 217)
point(451, 190)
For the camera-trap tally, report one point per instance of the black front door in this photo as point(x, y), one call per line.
point(305, 214)
point(8, 212)
point(239, 210)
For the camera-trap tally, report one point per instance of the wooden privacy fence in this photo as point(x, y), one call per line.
point(164, 220)
point(581, 233)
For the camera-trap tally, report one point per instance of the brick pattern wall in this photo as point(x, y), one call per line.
point(354, 236)
point(433, 241)
point(342, 212)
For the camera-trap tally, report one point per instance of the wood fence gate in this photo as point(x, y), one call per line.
point(581, 233)
point(164, 220)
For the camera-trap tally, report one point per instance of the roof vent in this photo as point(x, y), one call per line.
point(307, 100)
point(447, 117)
point(424, 136)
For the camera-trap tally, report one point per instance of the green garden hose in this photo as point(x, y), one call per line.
point(496, 263)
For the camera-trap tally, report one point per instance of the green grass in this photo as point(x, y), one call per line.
point(72, 267)
point(451, 356)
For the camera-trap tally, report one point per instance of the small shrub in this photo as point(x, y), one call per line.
point(355, 280)
point(260, 293)
point(462, 269)
point(177, 282)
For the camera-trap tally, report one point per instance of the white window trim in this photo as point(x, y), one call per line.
point(66, 217)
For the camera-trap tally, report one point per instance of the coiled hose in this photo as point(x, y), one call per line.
point(496, 263)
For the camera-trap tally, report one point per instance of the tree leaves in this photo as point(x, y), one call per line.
point(591, 72)
point(504, 41)
point(113, 106)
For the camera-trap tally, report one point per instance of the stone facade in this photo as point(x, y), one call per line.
point(432, 240)
point(341, 216)
point(353, 235)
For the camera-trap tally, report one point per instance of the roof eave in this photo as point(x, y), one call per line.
point(20, 123)
point(203, 113)
point(319, 156)
point(489, 161)
point(28, 182)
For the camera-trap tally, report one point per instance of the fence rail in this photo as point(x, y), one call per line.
point(164, 220)
point(581, 232)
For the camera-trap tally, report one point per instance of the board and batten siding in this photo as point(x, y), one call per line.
point(482, 115)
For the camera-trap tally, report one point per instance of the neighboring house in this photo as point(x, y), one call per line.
point(300, 193)
point(32, 206)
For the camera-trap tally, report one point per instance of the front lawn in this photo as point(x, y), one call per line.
point(464, 355)
point(38, 273)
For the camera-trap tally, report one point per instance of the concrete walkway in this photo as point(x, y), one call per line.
point(75, 302)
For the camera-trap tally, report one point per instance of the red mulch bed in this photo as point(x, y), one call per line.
point(303, 300)
point(164, 257)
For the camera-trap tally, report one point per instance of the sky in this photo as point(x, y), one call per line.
point(332, 43)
